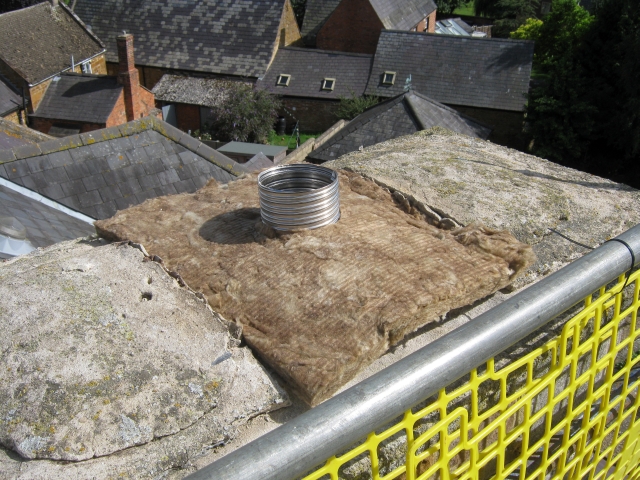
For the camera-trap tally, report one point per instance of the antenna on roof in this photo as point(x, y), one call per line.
point(73, 65)
point(407, 84)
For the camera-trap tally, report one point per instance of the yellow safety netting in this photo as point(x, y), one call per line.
point(568, 408)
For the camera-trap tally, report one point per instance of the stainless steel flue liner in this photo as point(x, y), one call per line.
point(299, 197)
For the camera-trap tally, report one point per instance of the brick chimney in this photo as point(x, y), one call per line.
point(128, 76)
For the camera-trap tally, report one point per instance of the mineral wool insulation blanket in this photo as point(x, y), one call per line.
point(320, 305)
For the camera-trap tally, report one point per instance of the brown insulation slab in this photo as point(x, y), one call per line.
point(320, 305)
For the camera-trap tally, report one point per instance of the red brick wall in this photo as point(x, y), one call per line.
point(188, 117)
point(353, 27)
point(118, 115)
point(314, 115)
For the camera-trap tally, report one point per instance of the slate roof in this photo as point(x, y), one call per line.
point(258, 162)
point(476, 72)
point(316, 14)
point(207, 92)
point(81, 98)
point(38, 42)
point(10, 99)
point(13, 135)
point(100, 172)
point(308, 67)
point(46, 222)
point(234, 37)
point(402, 14)
point(404, 114)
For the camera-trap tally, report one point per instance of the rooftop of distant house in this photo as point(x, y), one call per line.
point(38, 42)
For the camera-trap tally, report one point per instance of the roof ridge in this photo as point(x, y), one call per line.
point(333, 52)
point(449, 109)
point(439, 35)
point(79, 21)
point(130, 128)
point(349, 127)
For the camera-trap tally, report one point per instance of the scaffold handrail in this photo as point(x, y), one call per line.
point(307, 441)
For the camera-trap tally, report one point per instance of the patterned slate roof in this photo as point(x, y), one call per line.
point(46, 223)
point(10, 99)
point(316, 14)
point(100, 172)
point(82, 98)
point(476, 72)
point(207, 92)
point(402, 115)
point(13, 135)
point(402, 14)
point(234, 37)
point(38, 42)
point(308, 67)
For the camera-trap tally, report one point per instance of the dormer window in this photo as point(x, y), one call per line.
point(328, 84)
point(388, 78)
point(283, 80)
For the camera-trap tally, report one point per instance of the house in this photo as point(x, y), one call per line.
point(40, 42)
point(312, 81)
point(355, 25)
point(404, 114)
point(187, 100)
point(100, 172)
point(225, 38)
point(28, 221)
point(78, 103)
point(15, 135)
point(484, 78)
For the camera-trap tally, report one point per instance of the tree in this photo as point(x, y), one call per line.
point(508, 14)
point(448, 6)
point(299, 8)
point(246, 115)
point(586, 113)
point(558, 111)
point(351, 107)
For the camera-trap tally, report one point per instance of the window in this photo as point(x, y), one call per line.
point(283, 80)
point(328, 84)
point(86, 67)
point(388, 78)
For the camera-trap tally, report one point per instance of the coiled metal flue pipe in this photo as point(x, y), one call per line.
point(299, 197)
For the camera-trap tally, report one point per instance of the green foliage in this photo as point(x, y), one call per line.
point(560, 116)
point(508, 14)
point(448, 6)
point(299, 7)
point(529, 30)
point(352, 106)
point(246, 115)
point(587, 113)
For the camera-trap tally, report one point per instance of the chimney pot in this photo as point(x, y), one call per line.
point(54, 3)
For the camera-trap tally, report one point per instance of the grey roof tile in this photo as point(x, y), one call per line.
point(233, 37)
point(10, 98)
point(402, 115)
point(309, 67)
point(45, 225)
point(94, 180)
point(317, 12)
point(81, 98)
point(477, 72)
point(402, 14)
